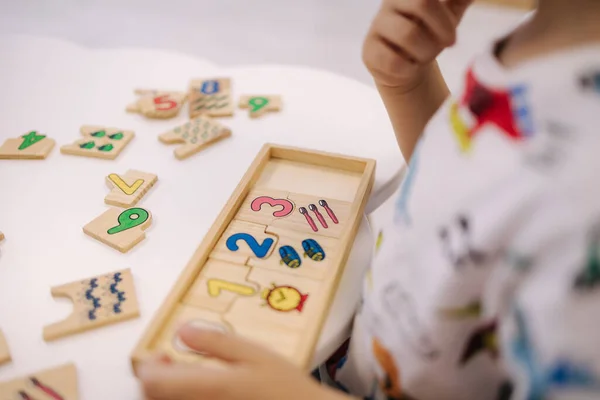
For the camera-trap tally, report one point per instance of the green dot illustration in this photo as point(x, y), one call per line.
point(129, 219)
point(117, 136)
point(87, 145)
point(99, 134)
point(106, 147)
point(30, 139)
point(257, 103)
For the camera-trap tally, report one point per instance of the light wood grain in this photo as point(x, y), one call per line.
point(4, 350)
point(211, 97)
point(158, 104)
point(194, 136)
point(101, 228)
point(289, 306)
point(55, 383)
point(97, 301)
point(36, 151)
point(129, 188)
point(99, 142)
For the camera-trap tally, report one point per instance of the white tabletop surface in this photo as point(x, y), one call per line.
point(54, 87)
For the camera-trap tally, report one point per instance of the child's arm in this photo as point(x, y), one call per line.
point(400, 50)
point(247, 372)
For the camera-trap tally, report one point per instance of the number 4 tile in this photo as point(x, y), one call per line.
point(31, 146)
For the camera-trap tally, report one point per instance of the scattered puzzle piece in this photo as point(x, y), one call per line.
point(100, 142)
point(58, 383)
point(120, 229)
point(4, 351)
point(129, 188)
point(1, 236)
point(260, 104)
point(242, 240)
point(97, 301)
point(211, 97)
point(31, 146)
point(194, 135)
point(158, 104)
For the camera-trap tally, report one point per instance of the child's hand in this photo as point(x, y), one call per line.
point(406, 36)
point(249, 372)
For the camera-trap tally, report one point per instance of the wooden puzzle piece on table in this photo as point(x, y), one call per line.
point(243, 240)
point(218, 285)
point(300, 254)
point(159, 104)
point(58, 383)
point(120, 229)
point(1, 236)
point(99, 142)
point(4, 351)
point(260, 104)
point(129, 188)
point(97, 301)
point(211, 97)
point(194, 136)
point(31, 146)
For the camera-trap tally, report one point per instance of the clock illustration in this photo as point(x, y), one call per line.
point(284, 298)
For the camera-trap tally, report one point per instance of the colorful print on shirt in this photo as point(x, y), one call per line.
point(507, 109)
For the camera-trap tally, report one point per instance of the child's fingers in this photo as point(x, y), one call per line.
point(181, 382)
point(433, 14)
point(407, 35)
point(219, 345)
point(388, 60)
point(458, 7)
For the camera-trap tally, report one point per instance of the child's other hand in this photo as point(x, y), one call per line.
point(249, 372)
point(406, 36)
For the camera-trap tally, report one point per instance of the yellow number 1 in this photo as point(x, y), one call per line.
point(216, 285)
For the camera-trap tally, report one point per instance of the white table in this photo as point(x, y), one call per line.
point(54, 87)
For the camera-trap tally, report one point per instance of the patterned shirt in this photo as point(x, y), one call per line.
point(487, 283)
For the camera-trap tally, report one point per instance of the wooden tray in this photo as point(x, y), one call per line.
point(269, 266)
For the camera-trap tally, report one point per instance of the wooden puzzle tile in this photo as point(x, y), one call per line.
point(31, 146)
point(1, 236)
point(97, 301)
point(169, 343)
point(285, 300)
point(316, 215)
point(100, 142)
point(120, 229)
point(300, 254)
point(262, 206)
point(260, 104)
point(218, 285)
point(4, 351)
point(211, 97)
point(194, 136)
point(242, 240)
point(157, 103)
point(129, 188)
point(58, 383)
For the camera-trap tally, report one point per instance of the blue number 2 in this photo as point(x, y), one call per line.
point(260, 250)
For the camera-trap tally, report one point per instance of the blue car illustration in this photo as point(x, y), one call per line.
point(313, 250)
point(289, 257)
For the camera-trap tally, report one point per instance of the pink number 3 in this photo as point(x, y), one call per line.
point(286, 206)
